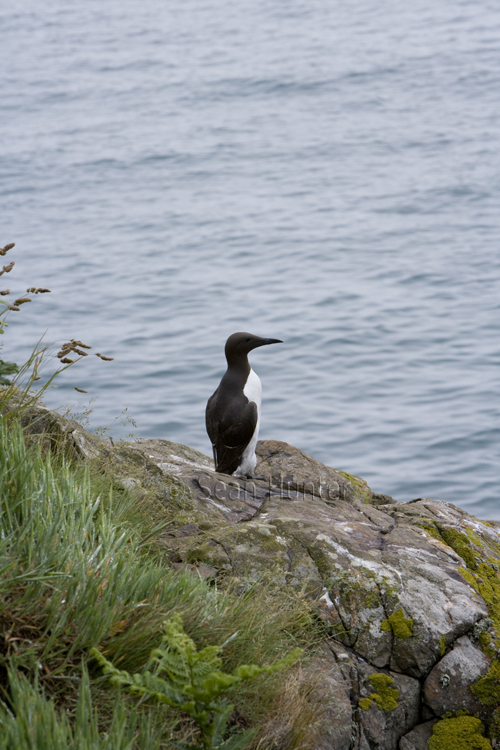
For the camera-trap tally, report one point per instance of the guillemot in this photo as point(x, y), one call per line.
point(233, 411)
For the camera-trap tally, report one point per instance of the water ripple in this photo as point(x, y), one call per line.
point(309, 171)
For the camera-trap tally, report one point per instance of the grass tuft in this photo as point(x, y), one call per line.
point(79, 568)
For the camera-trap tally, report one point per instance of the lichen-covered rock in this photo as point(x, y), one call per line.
point(385, 697)
point(296, 473)
point(487, 687)
point(401, 588)
point(418, 738)
point(393, 709)
point(369, 565)
point(447, 689)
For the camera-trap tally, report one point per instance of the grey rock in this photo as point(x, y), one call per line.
point(418, 738)
point(331, 696)
point(447, 688)
point(378, 499)
point(297, 475)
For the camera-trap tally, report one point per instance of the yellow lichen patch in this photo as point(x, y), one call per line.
point(442, 645)
point(359, 486)
point(484, 639)
point(482, 572)
point(486, 581)
point(494, 545)
point(487, 688)
point(401, 627)
point(430, 528)
point(474, 538)
point(468, 577)
point(461, 544)
point(365, 703)
point(385, 697)
point(462, 733)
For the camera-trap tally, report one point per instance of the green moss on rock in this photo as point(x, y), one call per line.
point(488, 584)
point(474, 538)
point(359, 486)
point(469, 578)
point(484, 638)
point(482, 572)
point(494, 728)
point(354, 587)
point(462, 733)
point(442, 645)
point(371, 600)
point(430, 528)
point(385, 697)
point(401, 627)
point(487, 688)
point(461, 544)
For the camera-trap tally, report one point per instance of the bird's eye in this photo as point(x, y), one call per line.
point(247, 339)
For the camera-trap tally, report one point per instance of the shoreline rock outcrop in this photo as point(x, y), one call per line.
point(409, 593)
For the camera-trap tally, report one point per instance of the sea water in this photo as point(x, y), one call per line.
point(323, 173)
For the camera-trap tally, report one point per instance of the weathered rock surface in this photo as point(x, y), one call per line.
point(332, 696)
point(402, 588)
point(383, 728)
point(447, 688)
point(417, 738)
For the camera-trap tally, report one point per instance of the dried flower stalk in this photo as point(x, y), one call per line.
point(7, 269)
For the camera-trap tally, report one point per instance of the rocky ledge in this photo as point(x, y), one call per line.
point(409, 593)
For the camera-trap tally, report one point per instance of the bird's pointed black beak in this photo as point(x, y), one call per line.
point(265, 342)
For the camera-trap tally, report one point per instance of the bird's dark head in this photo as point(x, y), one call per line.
point(239, 344)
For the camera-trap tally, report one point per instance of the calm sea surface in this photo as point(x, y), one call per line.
point(323, 173)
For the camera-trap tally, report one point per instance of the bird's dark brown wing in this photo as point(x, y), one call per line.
point(209, 420)
point(230, 441)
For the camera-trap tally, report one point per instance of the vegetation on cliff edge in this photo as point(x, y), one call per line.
point(79, 569)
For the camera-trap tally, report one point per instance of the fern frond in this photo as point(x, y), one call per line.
point(193, 682)
point(214, 684)
point(247, 671)
point(219, 726)
point(238, 741)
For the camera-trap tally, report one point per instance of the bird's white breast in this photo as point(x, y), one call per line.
point(253, 389)
point(253, 392)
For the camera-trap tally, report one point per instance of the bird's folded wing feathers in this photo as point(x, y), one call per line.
point(230, 444)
